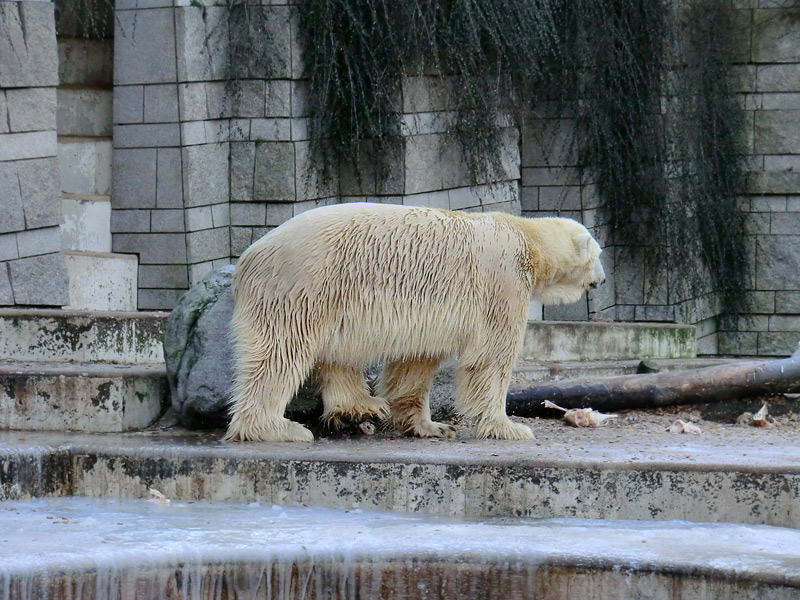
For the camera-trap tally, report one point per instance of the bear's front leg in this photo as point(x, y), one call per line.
point(406, 385)
point(481, 389)
point(346, 397)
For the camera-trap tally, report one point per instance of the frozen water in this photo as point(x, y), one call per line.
point(109, 537)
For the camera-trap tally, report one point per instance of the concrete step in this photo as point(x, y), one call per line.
point(603, 340)
point(87, 223)
point(80, 397)
point(142, 549)
point(85, 164)
point(728, 474)
point(528, 371)
point(82, 336)
point(102, 281)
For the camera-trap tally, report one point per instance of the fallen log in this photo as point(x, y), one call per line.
point(653, 390)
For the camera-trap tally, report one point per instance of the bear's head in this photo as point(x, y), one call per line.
point(570, 261)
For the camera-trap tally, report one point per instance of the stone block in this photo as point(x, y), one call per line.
point(205, 174)
point(309, 182)
point(144, 46)
point(784, 182)
point(192, 101)
point(777, 262)
point(787, 302)
point(86, 225)
point(221, 214)
point(134, 178)
point(776, 133)
point(300, 129)
point(169, 179)
point(85, 166)
point(159, 299)
point(785, 323)
point(12, 210)
point(299, 91)
point(161, 103)
point(241, 238)
point(147, 136)
point(8, 246)
point(779, 101)
point(737, 343)
point(777, 343)
point(278, 98)
point(628, 276)
point(3, 114)
point(785, 223)
point(103, 282)
point(566, 197)
point(780, 162)
point(33, 242)
point(31, 109)
point(549, 143)
point(28, 45)
point(271, 130)
point(167, 220)
point(428, 94)
point(251, 213)
point(278, 213)
point(6, 293)
point(85, 61)
point(239, 130)
point(578, 311)
point(423, 171)
point(153, 248)
point(246, 97)
point(202, 43)
point(208, 244)
point(768, 204)
point(439, 200)
point(84, 112)
point(40, 280)
point(199, 218)
point(260, 42)
point(242, 169)
point(163, 276)
point(38, 183)
point(555, 176)
point(130, 221)
point(274, 171)
point(778, 78)
point(775, 37)
point(34, 144)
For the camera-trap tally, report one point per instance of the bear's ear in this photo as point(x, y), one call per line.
point(586, 245)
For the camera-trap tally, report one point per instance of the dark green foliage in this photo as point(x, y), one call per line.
point(91, 19)
point(649, 81)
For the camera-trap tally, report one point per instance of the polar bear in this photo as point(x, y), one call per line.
point(341, 287)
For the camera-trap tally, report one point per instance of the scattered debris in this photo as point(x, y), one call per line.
point(157, 496)
point(680, 426)
point(580, 417)
point(648, 366)
point(367, 428)
point(760, 418)
point(746, 418)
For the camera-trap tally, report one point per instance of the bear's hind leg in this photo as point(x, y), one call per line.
point(346, 396)
point(268, 372)
point(481, 395)
point(406, 385)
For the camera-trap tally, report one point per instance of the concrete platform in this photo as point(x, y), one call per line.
point(92, 397)
point(82, 336)
point(79, 548)
point(735, 475)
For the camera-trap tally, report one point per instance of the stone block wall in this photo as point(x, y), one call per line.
point(770, 83)
point(32, 270)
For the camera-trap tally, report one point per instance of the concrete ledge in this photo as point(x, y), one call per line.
point(92, 398)
point(82, 336)
point(563, 474)
point(141, 549)
point(594, 340)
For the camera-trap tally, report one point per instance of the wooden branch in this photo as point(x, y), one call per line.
point(652, 390)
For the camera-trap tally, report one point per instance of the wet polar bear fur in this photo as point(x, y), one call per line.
point(345, 286)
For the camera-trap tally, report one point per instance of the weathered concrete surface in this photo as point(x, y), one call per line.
point(566, 472)
point(80, 397)
point(596, 340)
point(81, 336)
point(213, 551)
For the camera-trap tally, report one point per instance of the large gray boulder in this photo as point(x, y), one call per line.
point(198, 352)
point(198, 348)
